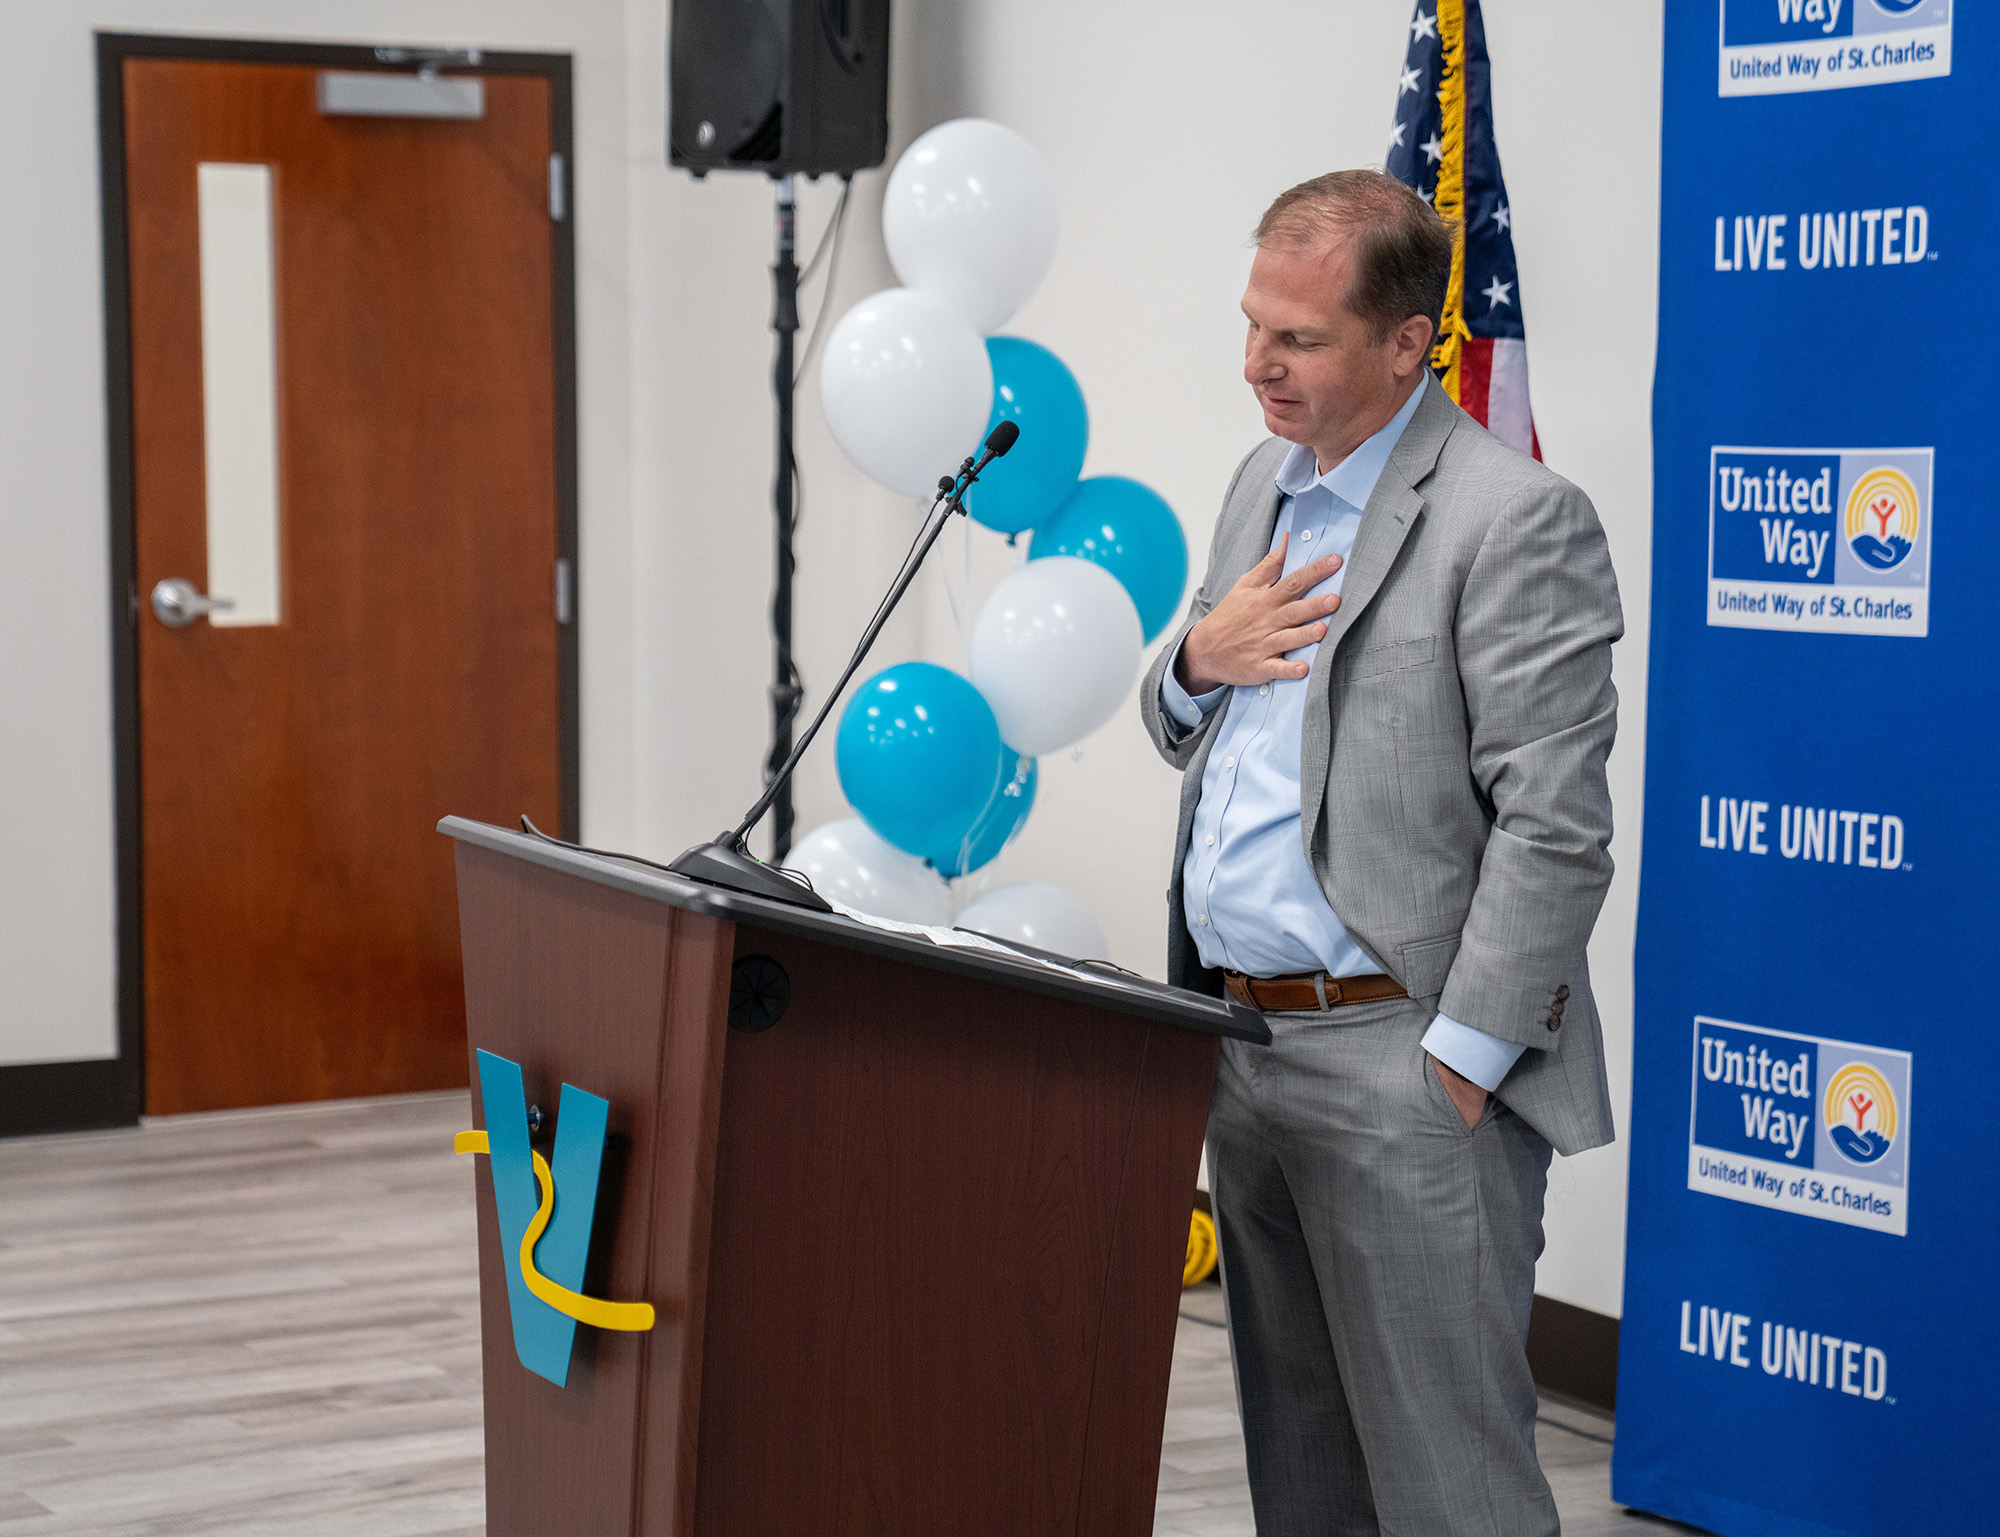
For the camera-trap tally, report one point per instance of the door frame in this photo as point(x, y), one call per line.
point(68, 1096)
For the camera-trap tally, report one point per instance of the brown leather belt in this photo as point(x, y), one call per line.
point(1313, 990)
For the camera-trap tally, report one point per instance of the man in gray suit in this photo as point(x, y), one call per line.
point(1391, 703)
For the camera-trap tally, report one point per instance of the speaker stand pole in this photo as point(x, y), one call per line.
point(785, 690)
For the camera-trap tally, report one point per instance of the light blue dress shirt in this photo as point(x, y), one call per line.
point(1250, 897)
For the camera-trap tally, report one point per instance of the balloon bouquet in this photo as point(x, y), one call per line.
point(941, 768)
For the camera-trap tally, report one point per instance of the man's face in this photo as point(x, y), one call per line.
point(1322, 380)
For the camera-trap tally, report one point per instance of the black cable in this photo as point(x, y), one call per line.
point(832, 233)
point(836, 227)
point(832, 224)
point(788, 688)
point(1098, 960)
point(784, 691)
point(788, 691)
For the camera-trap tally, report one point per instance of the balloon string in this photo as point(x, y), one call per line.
point(959, 612)
point(965, 628)
point(952, 595)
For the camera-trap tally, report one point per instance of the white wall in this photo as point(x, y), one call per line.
point(702, 464)
point(57, 940)
point(1167, 126)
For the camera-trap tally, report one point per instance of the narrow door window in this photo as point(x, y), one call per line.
point(239, 385)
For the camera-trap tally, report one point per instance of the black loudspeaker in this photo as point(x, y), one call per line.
point(778, 86)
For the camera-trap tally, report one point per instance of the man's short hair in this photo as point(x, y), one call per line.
point(1402, 247)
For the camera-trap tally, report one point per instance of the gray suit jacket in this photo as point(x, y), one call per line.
point(1458, 715)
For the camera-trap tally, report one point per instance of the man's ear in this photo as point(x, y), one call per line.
point(1413, 345)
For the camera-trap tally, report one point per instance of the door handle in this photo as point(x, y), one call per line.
point(177, 605)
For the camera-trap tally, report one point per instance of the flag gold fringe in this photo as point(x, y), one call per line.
point(1449, 198)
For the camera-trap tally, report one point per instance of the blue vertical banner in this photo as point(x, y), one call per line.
point(1809, 1320)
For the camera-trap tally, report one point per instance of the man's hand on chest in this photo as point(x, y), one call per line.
point(1244, 638)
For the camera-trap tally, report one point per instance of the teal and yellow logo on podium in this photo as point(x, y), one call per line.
point(546, 1209)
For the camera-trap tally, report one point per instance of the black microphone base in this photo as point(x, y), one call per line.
point(723, 864)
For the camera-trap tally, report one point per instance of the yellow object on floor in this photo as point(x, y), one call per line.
point(1201, 1255)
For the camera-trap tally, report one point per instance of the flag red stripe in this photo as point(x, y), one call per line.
point(1475, 376)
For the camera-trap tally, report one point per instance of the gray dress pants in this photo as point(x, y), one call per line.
point(1378, 1260)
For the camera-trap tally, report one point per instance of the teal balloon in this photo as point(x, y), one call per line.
point(919, 755)
point(1033, 390)
point(1129, 530)
point(1012, 799)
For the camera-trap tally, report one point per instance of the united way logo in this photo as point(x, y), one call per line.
point(1834, 540)
point(544, 1240)
point(1780, 46)
point(1801, 1124)
point(1860, 1111)
point(1883, 517)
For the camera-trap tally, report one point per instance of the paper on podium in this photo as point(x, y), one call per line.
point(966, 939)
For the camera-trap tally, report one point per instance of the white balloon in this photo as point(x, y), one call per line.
point(848, 862)
point(1054, 651)
point(906, 386)
point(969, 216)
point(1036, 913)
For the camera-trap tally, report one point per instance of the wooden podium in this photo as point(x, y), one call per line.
point(915, 1248)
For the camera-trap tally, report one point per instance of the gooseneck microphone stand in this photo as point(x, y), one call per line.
point(727, 861)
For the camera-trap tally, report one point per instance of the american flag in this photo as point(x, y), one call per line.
point(1442, 145)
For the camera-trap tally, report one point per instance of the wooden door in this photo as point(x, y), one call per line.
point(300, 930)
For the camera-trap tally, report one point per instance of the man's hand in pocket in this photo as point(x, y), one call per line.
point(1465, 1094)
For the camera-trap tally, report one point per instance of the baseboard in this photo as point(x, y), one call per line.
point(1574, 1352)
point(37, 1097)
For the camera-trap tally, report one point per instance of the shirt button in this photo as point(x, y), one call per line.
point(1229, 763)
point(1203, 920)
point(1306, 536)
point(1211, 837)
point(1263, 688)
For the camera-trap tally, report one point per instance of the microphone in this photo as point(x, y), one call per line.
point(727, 861)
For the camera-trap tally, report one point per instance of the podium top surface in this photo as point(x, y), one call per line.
point(1088, 982)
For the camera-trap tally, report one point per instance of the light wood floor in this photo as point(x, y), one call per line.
point(267, 1321)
